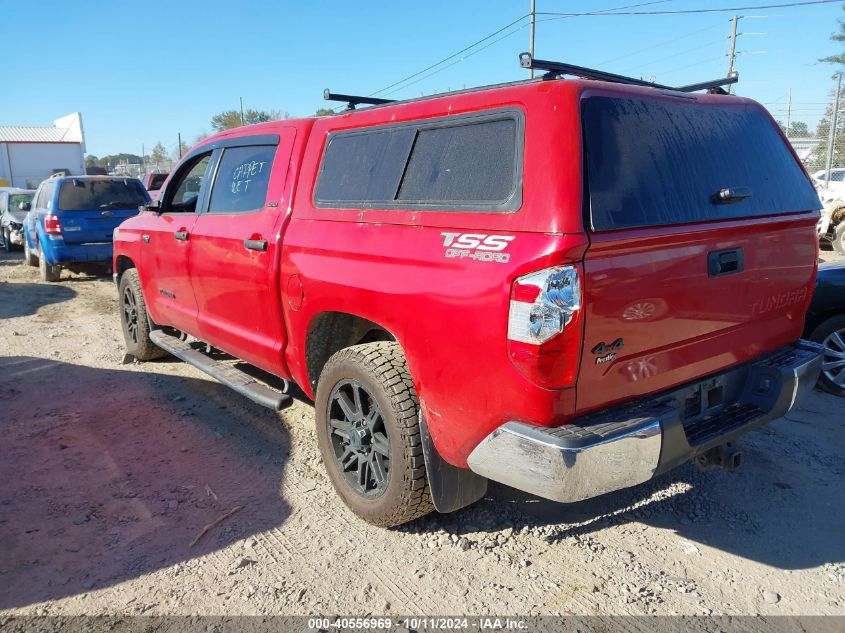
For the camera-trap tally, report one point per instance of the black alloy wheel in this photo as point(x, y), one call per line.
point(359, 438)
point(130, 313)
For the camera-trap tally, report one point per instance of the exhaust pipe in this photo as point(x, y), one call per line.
point(727, 457)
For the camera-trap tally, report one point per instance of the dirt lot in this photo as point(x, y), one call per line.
point(108, 472)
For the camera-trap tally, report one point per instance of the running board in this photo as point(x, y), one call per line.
point(232, 377)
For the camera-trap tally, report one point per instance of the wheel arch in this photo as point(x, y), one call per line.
point(122, 263)
point(330, 331)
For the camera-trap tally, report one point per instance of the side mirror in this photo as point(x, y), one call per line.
point(24, 206)
point(154, 206)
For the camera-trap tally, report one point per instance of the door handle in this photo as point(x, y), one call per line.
point(145, 238)
point(725, 262)
point(181, 235)
point(256, 245)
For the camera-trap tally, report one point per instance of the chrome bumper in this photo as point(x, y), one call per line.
point(16, 236)
point(629, 445)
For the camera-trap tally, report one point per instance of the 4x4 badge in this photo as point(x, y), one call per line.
point(602, 348)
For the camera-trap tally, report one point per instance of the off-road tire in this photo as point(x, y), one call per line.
point(48, 272)
point(7, 240)
point(138, 343)
point(29, 257)
point(380, 368)
point(819, 335)
point(838, 241)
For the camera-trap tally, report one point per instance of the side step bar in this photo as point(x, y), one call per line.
point(232, 377)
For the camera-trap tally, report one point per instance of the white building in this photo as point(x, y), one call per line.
point(28, 155)
point(805, 147)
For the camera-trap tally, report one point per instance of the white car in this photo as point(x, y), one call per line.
point(836, 187)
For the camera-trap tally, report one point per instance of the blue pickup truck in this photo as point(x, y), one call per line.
point(71, 222)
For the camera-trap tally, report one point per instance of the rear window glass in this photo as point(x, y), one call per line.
point(364, 167)
point(242, 179)
point(654, 162)
point(156, 181)
point(16, 199)
point(460, 164)
point(85, 195)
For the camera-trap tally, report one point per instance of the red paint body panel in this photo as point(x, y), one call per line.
point(450, 314)
point(237, 289)
point(651, 287)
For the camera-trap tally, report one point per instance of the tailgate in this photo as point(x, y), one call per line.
point(88, 227)
point(681, 280)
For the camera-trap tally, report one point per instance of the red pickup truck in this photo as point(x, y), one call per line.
point(567, 286)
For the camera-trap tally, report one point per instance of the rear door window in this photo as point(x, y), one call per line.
point(660, 162)
point(87, 195)
point(242, 179)
point(464, 163)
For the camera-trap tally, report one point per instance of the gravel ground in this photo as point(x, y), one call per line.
point(109, 472)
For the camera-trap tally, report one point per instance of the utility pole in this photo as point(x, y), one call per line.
point(732, 55)
point(788, 111)
point(143, 160)
point(180, 145)
point(243, 121)
point(831, 137)
point(531, 36)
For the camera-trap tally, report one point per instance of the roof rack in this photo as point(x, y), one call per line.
point(556, 69)
point(352, 100)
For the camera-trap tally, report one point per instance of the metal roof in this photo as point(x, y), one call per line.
point(20, 134)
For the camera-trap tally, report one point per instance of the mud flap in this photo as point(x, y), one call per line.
point(451, 488)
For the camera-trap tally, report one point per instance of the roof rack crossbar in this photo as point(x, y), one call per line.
point(353, 100)
point(714, 85)
point(555, 69)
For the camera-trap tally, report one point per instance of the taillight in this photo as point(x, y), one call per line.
point(544, 325)
point(52, 226)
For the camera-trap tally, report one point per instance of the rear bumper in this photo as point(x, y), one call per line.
point(61, 253)
point(629, 445)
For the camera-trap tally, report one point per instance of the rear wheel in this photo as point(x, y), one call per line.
point(134, 319)
point(369, 436)
point(838, 241)
point(48, 272)
point(29, 257)
point(831, 334)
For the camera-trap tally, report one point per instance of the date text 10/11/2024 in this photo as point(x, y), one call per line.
point(418, 623)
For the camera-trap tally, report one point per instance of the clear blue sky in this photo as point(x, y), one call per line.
point(143, 72)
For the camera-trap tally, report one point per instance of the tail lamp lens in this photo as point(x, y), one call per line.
point(544, 333)
point(52, 226)
point(543, 304)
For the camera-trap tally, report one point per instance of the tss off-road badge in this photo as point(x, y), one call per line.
point(478, 246)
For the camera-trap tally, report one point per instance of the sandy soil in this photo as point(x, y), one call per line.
point(108, 473)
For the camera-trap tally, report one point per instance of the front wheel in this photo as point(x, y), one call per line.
point(831, 334)
point(134, 320)
point(7, 240)
point(369, 436)
point(48, 272)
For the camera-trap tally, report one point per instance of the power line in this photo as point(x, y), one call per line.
point(688, 11)
point(659, 44)
point(494, 34)
point(452, 56)
point(617, 11)
point(668, 57)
